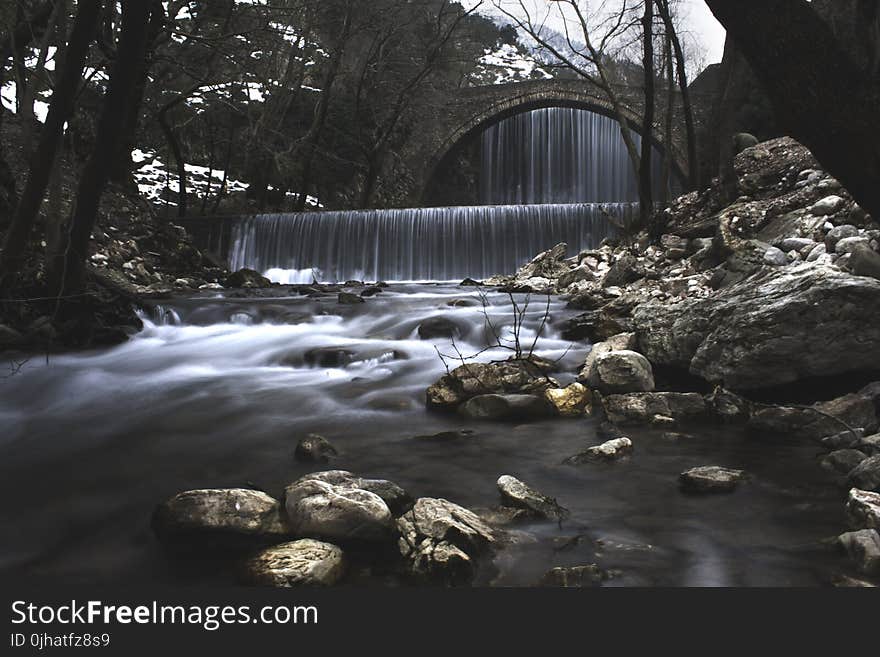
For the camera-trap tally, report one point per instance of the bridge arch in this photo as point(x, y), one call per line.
point(463, 116)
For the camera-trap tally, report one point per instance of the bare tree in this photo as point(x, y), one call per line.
point(60, 110)
point(67, 268)
point(588, 41)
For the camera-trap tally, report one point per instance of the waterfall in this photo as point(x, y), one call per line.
point(417, 244)
point(559, 155)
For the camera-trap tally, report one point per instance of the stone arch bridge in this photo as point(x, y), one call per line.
point(462, 115)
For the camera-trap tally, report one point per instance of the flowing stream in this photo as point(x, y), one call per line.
point(216, 391)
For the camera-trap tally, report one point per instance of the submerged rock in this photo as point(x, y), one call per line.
point(442, 541)
point(609, 451)
point(654, 408)
point(863, 509)
point(347, 298)
point(518, 495)
point(439, 327)
point(856, 410)
point(843, 461)
point(710, 479)
point(234, 518)
point(728, 406)
point(507, 408)
point(447, 436)
point(619, 372)
point(314, 449)
point(574, 577)
point(300, 563)
point(863, 549)
point(247, 278)
point(335, 506)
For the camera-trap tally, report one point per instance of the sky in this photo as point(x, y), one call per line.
point(696, 16)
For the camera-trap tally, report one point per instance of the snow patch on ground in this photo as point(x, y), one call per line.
point(159, 184)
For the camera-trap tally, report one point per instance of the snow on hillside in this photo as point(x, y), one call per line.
point(160, 185)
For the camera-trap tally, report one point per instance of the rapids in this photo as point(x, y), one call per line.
point(216, 391)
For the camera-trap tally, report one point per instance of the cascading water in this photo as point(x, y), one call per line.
point(559, 155)
point(547, 176)
point(418, 244)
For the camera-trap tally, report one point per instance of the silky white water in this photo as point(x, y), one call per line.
point(421, 244)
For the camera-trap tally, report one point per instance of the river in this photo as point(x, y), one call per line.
point(217, 390)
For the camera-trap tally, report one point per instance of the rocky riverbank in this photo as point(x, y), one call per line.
point(708, 326)
point(739, 312)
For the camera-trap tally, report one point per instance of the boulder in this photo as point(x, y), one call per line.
point(848, 245)
point(439, 327)
point(710, 479)
point(247, 278)
point(870, 445)
point(575, 577)
point(618, 372)
point(620, 342)
point(576, 275)
point(609, 451)
point(863, 549)
point(844, 439)
point(842, 461)
point(574, 401)
point(796, 244)
point(473, 379)
point(864, 261)
point(334, 506)
point(752, 335)
point(863, 509)
point(581, 327)
point(507, 408)
point(818, 421)
point(520, 496)
point(728, 406)
point(548, 265)
point(349, 299)
point(221, 519)
point(653, 408)
point(442, 541)
point(775, 257)
point(300, 563)
point(325, 357)
point(828, 205)
point(625, 270)
point(314, 449)
point(866, 475)
point(837, 234)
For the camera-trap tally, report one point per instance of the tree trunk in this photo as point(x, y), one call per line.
point(821, 97)
point(122, 170)
point(313, 136)
point(68, 268)
point(670, 111)
point(60, 110)
point(687, 104)
point(646, 182)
